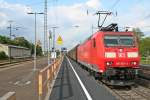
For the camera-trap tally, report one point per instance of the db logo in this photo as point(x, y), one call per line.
point(121, 55)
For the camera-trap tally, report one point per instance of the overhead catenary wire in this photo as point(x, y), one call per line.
point(117, 2)
point(112, 7)
point(144, 18)
point(55, 12)
point(55, 25)
point(114, 4)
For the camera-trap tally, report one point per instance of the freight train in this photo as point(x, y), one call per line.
point(110, 56)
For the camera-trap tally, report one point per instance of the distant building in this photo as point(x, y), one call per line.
point(15, 51)
point(64, 50)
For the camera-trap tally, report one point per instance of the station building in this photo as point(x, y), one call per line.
point(15, 51)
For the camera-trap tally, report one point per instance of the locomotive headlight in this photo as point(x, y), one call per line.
point(133, 63)
point(110, 54)
point(109, 63)
point(132, 54)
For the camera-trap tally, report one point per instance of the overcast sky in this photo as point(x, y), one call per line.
point(68, 13)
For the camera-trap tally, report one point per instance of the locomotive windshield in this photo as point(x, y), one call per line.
point(118, 40)
point(111, 40)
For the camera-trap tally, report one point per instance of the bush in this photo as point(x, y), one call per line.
point(3, 55)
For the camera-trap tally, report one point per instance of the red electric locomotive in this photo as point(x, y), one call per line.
point(110, 55)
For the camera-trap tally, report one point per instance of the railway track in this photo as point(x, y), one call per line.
point(5, 62)
point(145, 72)
point(129, 93)
point(4, 65)
point(135, 93)
point(141, 90)
point(15, 62)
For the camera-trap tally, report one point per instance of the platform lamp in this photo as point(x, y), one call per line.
point(35, 14)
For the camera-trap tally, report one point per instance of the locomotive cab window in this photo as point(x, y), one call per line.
point(126, 40)
point(119, 40)
point(94, 43)
point(111, 40)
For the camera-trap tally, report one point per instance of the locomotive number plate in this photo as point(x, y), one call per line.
point(121, 55)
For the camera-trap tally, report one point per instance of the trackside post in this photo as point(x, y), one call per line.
point(40, 86)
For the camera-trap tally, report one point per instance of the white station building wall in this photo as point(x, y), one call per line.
point(16, 51)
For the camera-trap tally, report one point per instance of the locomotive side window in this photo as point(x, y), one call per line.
point(94, 43)
point(118, 40)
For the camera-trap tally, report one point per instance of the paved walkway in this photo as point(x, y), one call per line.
point(79, 86)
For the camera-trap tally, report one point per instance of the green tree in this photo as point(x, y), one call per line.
point(3, 55)
point(21, 41)
point(144, 46)
point(32, 49)
point(5, 40)
point(139, 34)
point(39, 50)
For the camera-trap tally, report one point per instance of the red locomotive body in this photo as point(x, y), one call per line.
point(110, 56)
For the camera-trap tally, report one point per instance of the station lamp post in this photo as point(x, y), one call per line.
point(35, 14)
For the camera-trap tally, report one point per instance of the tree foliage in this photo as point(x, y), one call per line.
point(5, 40)
point(138, 33)
point(3, 55)
point(38, 50)
point(145, 46)
point(144, 42)
point(21, 41)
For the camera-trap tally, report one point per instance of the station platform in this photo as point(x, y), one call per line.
point(74, 83)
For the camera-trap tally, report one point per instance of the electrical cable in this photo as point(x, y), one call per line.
point(115, 4)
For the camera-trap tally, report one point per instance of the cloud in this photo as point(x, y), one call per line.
point(95, 4)
point(3, 18)
point(18, 14)
point(68, 17)
point(1, 1)
point(136, 16)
